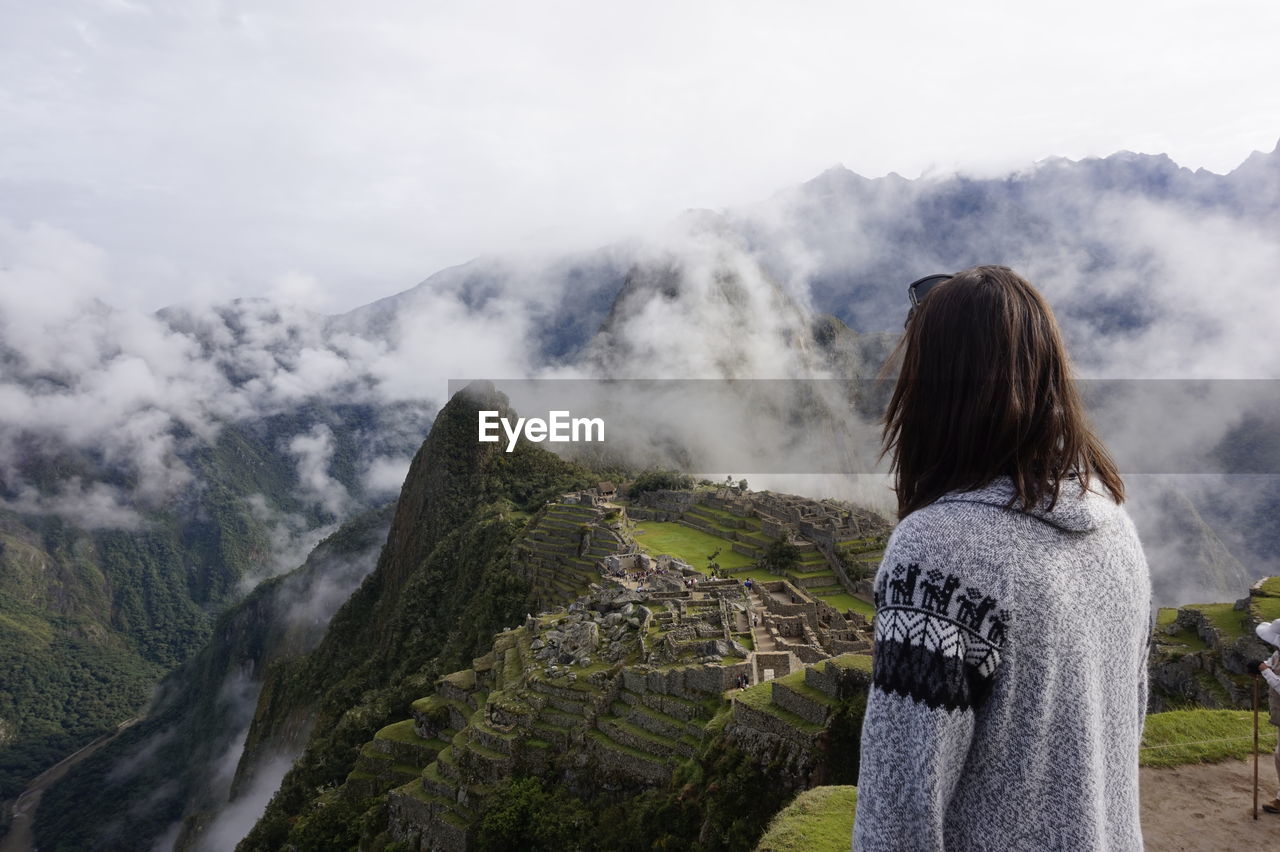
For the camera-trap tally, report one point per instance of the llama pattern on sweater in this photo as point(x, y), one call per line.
point(932, 644)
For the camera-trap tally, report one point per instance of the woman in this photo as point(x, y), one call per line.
point(1013, 601)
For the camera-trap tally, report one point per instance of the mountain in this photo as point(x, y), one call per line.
point(444, 583)
point(153, 468)
point(92, 616)
point(176, 765)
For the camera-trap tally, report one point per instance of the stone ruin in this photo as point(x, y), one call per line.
point(823, 522)
point(606, 624)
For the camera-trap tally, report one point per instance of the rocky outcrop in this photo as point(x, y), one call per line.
point(1202, 654)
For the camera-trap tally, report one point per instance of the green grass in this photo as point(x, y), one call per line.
point(817, 820)
point(1225, 617)
point(716, 725)
point(710, 520)
point(486, 752)
point(1201, 736)
point(1266, 605)
point(401, 732)
point(795, 682)
point(1265, 609)
point(1166, 616)
point(729, 518)
point(464, 679)
point(758, 574)
point(690, 545)
point(634, 753)
point(844, 601)
point(1182, 642)
point(760, 697)
point(815, 568)
point(861, 662)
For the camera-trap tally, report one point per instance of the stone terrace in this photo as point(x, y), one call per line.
point(562, 545)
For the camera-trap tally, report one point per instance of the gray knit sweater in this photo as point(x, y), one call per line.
point(1010, 678)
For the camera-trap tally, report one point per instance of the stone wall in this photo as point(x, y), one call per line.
point(642, 513)
point(843, 646)
point(413, 822)
point(691, 682)
point(671, 503)
point(813, 712)
point(760, 722)
point(788, 626)
point(837, 681)
point(613, 769)
point(804, 652)
point(778, 661)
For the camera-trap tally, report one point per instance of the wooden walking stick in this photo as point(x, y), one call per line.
point(1255, 746)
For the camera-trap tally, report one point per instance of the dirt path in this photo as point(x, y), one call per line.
point(1208, 807)
point(19, 837)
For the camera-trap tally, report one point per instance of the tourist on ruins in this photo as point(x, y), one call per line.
point(1269, 632)
point(1013, 601)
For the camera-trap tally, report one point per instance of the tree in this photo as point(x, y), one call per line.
point(660, 480)
point(854, 568)
point(780, 556)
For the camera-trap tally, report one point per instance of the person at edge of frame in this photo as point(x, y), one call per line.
point(1269, 632)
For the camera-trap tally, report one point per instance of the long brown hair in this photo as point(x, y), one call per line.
point(985, 389)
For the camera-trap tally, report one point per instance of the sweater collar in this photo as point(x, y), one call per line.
point(1077, 510)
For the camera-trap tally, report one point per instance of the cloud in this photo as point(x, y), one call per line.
point(95, 505)
point(135, 393)
point(235, 820)
point(480, 131)
point(302, 606)
point(314, 452)
point(291, 539)
point(386, 475)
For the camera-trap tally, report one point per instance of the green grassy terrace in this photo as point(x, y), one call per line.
point(1176, 644)
point(694, 546)
point(1266, 605)
point(690, 545)
point(1229, 621)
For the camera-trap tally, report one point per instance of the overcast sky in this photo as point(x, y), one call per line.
point(337, 152)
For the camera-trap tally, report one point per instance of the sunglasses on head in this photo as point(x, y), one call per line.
point(918, 289)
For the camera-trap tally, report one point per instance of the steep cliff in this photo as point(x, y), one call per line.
point(92, 615)
point(176, 763)
point(444, 584)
